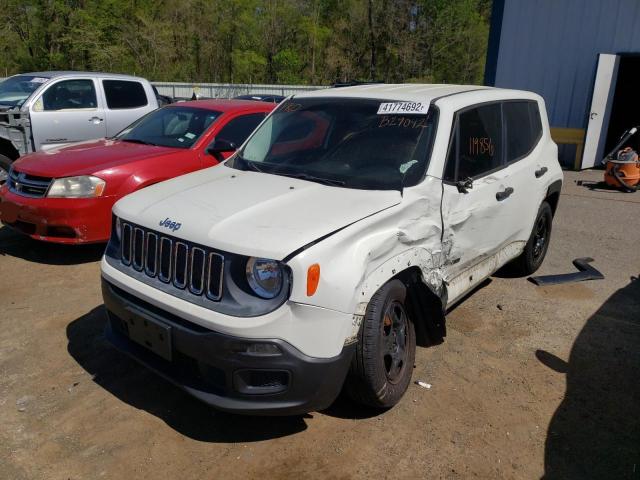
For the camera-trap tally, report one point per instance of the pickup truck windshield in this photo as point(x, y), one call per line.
point(343, 142)
point(175, 127)
point(15, 90)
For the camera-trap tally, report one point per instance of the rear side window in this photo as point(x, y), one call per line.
point(124, 94)
point(238, 129)
point(523, 128)
point(476, 146)
point(69, 95)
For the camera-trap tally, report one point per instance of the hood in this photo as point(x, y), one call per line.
point(250, 213)
point(86, 158)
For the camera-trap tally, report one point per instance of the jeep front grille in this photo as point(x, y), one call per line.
point(181, 264)
point(28, 185)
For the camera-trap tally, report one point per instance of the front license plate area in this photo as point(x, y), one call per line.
point(151, 334)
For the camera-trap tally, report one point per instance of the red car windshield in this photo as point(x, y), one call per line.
point(175, 127)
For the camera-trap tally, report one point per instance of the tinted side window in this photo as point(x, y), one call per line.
point(479, 141)
point(536, 121)
point(124, 94)
point(523, 127)
point(238, 129)
point(70, 95)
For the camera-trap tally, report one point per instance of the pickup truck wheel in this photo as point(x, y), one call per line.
point(534, 252)
point(5, 164)
point(383, 363)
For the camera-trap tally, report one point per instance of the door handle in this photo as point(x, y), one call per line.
point(541, 172)
point(95, 120)
point(504, 194)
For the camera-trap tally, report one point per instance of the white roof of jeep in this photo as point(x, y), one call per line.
point(410, 92)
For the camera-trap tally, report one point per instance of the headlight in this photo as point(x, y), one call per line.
point(77, 187)
point(264, 277)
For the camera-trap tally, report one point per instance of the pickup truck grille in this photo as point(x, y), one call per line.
point(181, 264)
point(28, 185)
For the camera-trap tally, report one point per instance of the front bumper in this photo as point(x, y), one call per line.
point(217, 368)
point(59, 220)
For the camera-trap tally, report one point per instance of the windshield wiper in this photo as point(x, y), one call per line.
point(137, 140)
point(250, 165)
point(311, 178)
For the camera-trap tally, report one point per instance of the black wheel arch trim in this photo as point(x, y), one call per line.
point(555, 187)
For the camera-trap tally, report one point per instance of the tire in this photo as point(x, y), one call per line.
point(5, 164)
point(534, 252)
point(382, 365)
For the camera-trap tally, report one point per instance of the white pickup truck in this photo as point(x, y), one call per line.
point(331, 243)
point(44, 110)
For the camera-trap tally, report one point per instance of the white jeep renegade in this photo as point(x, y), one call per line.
point(331, 243)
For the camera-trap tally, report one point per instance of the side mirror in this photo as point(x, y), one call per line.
point(464, 185)
point(220, 145)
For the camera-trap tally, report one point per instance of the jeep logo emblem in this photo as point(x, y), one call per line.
point(171, 225)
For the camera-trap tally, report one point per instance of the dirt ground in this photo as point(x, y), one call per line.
point(531, 382)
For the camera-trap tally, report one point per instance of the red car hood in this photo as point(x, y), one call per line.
point(88, 157)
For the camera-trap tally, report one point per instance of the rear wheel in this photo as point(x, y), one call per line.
point(5, 164)
point(383, 363)
point(536, 249)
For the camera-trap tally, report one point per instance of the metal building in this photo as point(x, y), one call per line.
point(583, 57)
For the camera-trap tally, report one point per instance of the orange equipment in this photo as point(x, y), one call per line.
point(623, 171)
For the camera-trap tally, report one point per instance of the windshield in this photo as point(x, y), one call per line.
point(342, 142)
point(176, 127)
point(15, 90)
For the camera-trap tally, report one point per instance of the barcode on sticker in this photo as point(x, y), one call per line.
point(407, 108)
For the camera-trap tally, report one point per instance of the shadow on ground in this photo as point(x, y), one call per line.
point(346, 408)
point(595, 432)
point(17, 245)
point(600, 186)
point(140, 388)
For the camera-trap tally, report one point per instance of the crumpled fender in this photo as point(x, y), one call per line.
point(356, 261)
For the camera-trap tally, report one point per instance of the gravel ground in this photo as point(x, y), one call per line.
point(531, 382)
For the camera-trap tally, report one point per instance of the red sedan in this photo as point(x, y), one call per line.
point(65, 196)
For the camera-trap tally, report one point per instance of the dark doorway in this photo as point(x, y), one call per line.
point(625, 109)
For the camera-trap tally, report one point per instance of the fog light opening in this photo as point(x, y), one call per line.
point(262, 349)
point(261, 382)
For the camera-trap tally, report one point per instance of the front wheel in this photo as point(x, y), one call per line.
point(536, 249)
point(383, 363)
point(5, 164)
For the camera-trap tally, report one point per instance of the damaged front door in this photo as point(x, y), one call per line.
point(476, 210)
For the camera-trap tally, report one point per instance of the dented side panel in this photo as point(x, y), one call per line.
point(472, 276)
point(356, 261)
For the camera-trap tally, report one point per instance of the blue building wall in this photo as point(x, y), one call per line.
point(551, 47)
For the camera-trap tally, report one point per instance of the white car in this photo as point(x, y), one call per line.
point(331, 243)
point(42, 111)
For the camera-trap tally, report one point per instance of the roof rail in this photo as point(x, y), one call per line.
point(355, 83)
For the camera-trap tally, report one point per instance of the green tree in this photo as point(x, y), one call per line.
point(256, 41)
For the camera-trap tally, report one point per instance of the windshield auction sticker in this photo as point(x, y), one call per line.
point(407, 108)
